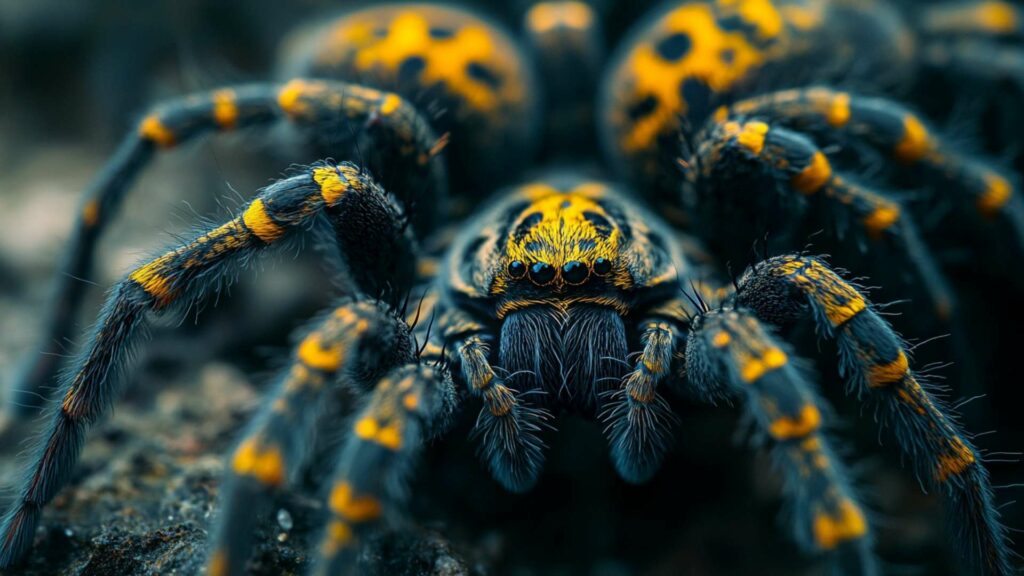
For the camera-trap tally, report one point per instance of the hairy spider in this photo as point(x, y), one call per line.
point(567, 293)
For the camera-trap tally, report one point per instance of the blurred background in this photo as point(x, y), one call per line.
point(75, 76)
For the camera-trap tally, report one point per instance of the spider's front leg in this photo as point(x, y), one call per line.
point(730, 349)
point(333, 116)
point(638, 418)
point(181, 276)
point(356, 338)
point(411, 404)
point(875, 363)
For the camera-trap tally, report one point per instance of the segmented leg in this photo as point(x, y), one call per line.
point(277, 443)
point(729, 348)
point(408, 406)
point(802, 171)
point(637, 417)
point(169, 283)
point(875, 364)
point(508, 427)
point(335, 116)
point(969, 185)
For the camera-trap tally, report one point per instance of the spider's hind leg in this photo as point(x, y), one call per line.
point(730, 348)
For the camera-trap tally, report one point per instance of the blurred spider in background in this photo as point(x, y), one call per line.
point(567, 291)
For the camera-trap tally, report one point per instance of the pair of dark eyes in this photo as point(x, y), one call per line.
point(574, 273)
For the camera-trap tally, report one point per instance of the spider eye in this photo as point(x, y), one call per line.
point(542, 273)
point(602, 266)
point(516, 269)
point(575, 273)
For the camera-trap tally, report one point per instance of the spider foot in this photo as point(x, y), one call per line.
point(508, 432)
point(638, 433)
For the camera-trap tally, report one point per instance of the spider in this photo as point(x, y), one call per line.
point(569, 291)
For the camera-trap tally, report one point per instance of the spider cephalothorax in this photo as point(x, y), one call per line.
point(571, 292)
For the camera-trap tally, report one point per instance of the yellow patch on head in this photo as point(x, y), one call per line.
point(786, 428)
point(915, 143)
point(354, 508)
point(814, 176)
point(265, 463)
point(847, 523)
point(997, 193)
point(563, 233)
point(546, 16)
point(259, 222)
point(225, 108)
point(154, 130)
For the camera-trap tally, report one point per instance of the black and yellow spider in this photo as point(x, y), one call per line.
point(569, 292)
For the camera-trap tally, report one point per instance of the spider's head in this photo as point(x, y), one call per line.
point(562, 248)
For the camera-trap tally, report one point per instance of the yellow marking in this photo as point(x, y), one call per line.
point(840, 300)
point(646, 74)
point(218, 565)
point(786, 428)
point(761, 13)
point(991, 17)
point(332, 187)
point(257, 220)
point(546, 16)
point(506, 307)
point(344, 502)
point(389, 436)
point(312, 353)
point(91, 213)
point(263, 463)
point(750, 135)
point(847, 524)
point(839, 110)
point(754, 368)
point(390, 104)
point(804, 17)
point(955, 461)
point(411, 401)
point(153, 129)
point(721, 339)
point(997, 194)
point(915, 142)
point(721, 114)
point(153, 281)
point(339, 536)
point(814, 176)
point(562, 234)
point(225, 108)
point(289, 98)
point(881, 219)
point(890, 373)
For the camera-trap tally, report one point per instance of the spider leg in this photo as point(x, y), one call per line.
point(170, 283)
point(637, 417)
point(874, 362)
point(355, 337)
point(508, 426)
point(985, 201)
point(411, 404)
point(401, 139)
point(803, 172)
point(730, 348)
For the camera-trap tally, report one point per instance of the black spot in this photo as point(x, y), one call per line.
point(697, 96)
point(566, 203)
point(642, 108)
point(481, 73)
point(727, 55)
point(601, 224)
point(527, 224)
point(575, 273)
point(674, 47)
point(542, 273)
point(441, 33)
point(410, 69)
